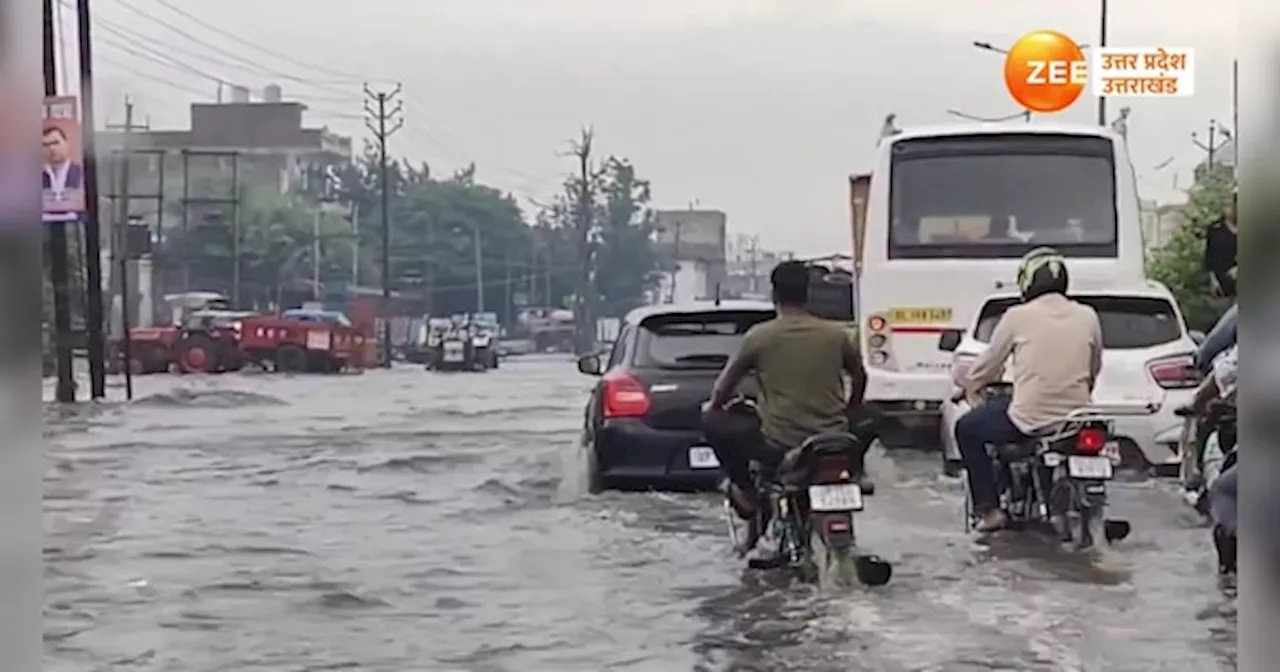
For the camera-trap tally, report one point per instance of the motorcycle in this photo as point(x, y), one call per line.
point(808, 508)
point(1058, 478)
point(1208, 433)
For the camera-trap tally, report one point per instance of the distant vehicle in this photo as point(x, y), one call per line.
point(207, 337)
point(643, 422)
point(941, 223)
point(1147, 357)
point(458, 345)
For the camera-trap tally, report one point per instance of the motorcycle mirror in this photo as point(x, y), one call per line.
point(950, 340)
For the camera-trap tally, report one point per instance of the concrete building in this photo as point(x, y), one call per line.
point(1159, 222)
point(691, 244)
point(259, 142)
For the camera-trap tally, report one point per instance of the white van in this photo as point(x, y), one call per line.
point(948, 213)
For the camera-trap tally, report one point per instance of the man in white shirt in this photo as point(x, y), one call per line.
point(1055, 345)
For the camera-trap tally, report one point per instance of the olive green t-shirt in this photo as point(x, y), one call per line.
point(799, 363)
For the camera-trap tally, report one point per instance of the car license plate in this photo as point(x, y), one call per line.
point(835, 497)
point(1085, 466)
point(703, 457)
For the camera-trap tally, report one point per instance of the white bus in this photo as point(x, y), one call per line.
point(948, 213)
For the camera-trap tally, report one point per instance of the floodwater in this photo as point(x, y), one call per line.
point(410, 521)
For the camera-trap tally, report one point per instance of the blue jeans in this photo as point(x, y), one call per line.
point(987, 423)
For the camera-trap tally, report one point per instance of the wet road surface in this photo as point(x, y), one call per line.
point(408, 521)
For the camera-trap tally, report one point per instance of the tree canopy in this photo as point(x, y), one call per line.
point(1179, 263)
point(439, 226)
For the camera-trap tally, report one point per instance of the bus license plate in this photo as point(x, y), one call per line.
point(835, 497)
point(1084, 466)
point(703, 457)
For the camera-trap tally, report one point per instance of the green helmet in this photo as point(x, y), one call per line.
point(1042, 271)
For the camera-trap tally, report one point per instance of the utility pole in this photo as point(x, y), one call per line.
point(315, 256)
point(1102, 43)
point(1212, 147)
point(475, 233)
point(59, 273)
point(355, 245)
point(1235, 113)
point(377, 124)
point(92, 226)
point(120, 252)
point(675, 264)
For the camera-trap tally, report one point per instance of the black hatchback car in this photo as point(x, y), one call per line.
point(643, 425)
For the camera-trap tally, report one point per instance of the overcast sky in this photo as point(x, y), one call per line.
point(760, 108)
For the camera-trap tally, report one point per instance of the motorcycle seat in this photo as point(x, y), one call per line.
point(798, 461)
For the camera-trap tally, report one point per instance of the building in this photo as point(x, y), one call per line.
point(1159, 222)
point(691, 244)
point(747, 267)
point(195, 173)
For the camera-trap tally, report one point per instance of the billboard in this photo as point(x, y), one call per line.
point(63, 175)
point(691, 234)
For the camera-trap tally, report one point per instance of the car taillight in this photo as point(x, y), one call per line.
point(624, 397)
point(1174, 373)
point(960, 365)
point(1091, 440)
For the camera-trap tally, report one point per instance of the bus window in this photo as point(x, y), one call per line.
point(997, 196)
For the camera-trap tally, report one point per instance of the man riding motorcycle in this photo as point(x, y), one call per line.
point(1054, 348)
point(799, 361)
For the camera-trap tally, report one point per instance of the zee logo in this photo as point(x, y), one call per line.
point(1046, 71)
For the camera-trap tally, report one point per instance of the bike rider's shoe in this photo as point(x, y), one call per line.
point(868, 486)
point(743, 501)
point(766, 557)
point(992, 520)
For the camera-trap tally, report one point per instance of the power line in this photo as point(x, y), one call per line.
point(184, 33)
point(347, 78)
point(153, 78)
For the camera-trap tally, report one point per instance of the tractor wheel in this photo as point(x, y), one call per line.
point(197, 353)
point(291, 359)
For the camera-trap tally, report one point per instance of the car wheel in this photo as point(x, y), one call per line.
point(595, 479)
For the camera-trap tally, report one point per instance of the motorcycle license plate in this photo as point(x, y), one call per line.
point(1086, 466)
point(703, 457)
point(835, 497)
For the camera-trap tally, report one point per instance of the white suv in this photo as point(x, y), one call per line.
point(1147, 357)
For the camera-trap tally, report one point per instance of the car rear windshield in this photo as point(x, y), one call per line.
point(1128, 322)
point(693, 340)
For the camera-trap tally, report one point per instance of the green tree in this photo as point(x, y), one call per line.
point(625, 259)
point(1179, 263)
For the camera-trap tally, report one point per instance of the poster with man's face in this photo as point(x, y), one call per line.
point(63, 174)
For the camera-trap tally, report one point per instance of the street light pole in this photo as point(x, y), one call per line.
point(1102, 42)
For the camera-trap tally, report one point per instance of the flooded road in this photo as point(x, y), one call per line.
point(407, 521)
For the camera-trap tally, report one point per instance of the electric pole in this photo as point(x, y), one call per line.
point(379, 115)
point(1102, 43)
point(94, 320)
point(1212, 146)
point(120, 252)
point(475, 233)
point(59, 273)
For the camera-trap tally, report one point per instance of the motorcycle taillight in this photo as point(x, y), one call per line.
point(1091, 440)
point(833, 469)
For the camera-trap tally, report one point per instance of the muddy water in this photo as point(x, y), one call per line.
point(407, 521)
